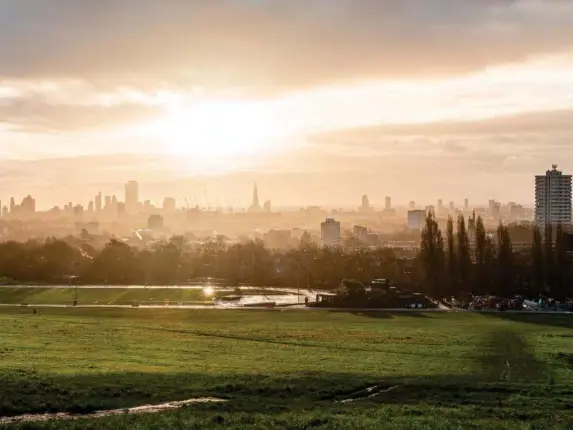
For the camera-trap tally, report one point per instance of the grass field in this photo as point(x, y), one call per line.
point(110, 295)
point(289, 369)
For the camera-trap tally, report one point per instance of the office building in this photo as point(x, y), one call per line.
point(330, 232)
point(553, 198)
point(365, 207)
point(28, 205)
point(361, 233)
point(98, 203)
point(132, 196)
point(388, 203)
point(416, 219)
point(169, 205)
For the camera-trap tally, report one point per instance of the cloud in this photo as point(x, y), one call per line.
point(525, 123)
point(273, 43)
point(37, 115)
point(516, 144)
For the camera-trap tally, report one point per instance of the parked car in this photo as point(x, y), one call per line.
point(415, 306)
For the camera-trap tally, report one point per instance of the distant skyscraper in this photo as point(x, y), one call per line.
point(107, 202)
point(255, 206)
point(28, 205)
point(412, 205)
point(452, 207)
point(267, 206)
point(466, 204)
point(330, 232)
point(388, 203)
point(12, 205)
point(131, 196)
point(553, 198)
point(365, 207)
point(440, 205)
point(91, 207)
point(98, 203)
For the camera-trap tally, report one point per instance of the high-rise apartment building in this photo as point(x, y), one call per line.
point(330, 232)
point(553, 198)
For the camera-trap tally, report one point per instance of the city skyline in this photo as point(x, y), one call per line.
point(133, 201)
point(321, 106)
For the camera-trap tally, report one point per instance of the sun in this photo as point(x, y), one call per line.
point(219, 130)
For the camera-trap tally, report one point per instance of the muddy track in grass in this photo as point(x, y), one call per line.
point(145, 409)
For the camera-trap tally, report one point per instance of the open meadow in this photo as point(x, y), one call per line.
point(288, 369)
point(61, 295)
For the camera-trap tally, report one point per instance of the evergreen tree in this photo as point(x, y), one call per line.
point(451, 263)
point(432, 255)
point(548, 259)
point(464, 257)
point(505, 281)
point(480, 254)
point(537, 260)
point(561, 266)
point(472, 225)
point(489, 256)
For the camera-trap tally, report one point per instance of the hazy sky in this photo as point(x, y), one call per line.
point(316, 100)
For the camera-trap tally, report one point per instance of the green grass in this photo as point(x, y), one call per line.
point(103, 296)
point(114, 295)
point(286, 369)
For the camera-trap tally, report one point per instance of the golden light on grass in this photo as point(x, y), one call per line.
point(208, 291)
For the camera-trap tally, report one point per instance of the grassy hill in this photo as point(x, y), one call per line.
point(103, 295)
point(289, 369)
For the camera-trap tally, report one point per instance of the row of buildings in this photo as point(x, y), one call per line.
point(553, 206)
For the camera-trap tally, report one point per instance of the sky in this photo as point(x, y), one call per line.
point(318, 101)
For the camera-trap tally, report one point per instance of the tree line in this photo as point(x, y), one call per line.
point(469, 260)
point(464, 259)
point(176, 261)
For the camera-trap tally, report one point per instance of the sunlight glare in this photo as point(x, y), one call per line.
point(208, 291)
point(220, 129)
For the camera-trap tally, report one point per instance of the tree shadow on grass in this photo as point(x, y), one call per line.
point(509, 358)
point(369, 314)
point(556, 320)
point(31, 392)
point(382, 314)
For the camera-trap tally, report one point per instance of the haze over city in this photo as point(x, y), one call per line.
point(318, 102)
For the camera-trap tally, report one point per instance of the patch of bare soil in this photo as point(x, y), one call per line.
point(145, 409)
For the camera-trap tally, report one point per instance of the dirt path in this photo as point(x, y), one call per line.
point(145, 409)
